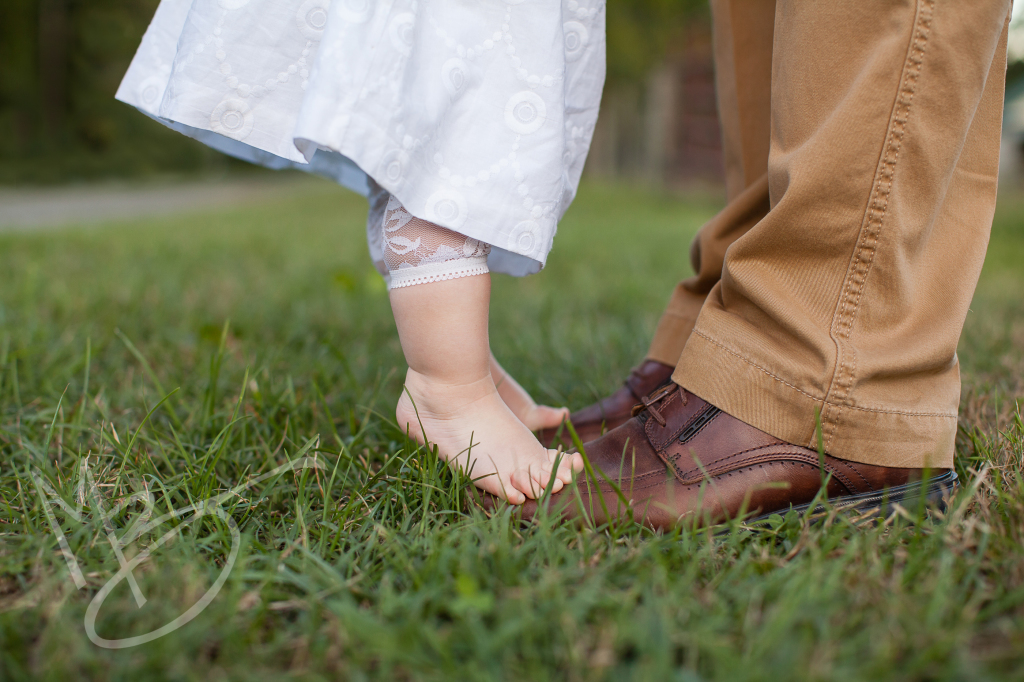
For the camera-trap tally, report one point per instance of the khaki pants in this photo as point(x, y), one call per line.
point(862, 147)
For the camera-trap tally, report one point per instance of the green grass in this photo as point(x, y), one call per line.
point(372, 567)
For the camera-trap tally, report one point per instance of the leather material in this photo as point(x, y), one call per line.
point(682, 460)
point(594, 420)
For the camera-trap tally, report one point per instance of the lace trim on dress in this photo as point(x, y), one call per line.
point(417, 251)
point(436, 272)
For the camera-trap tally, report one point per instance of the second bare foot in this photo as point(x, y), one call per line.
point(505, 458)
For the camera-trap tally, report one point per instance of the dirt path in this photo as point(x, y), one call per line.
point(50, 208)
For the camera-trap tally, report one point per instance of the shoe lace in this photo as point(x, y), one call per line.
point(649, 402)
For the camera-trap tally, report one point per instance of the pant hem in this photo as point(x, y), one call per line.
point(726, 379)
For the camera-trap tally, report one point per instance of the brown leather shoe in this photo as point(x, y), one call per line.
point(594, 420)
point(683, 460)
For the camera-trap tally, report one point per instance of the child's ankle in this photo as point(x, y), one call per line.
point(450, 394)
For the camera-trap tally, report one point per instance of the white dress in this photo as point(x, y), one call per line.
point(476, 115)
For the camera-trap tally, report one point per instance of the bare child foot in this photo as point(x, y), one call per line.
point(440, 295)
point(534, 416)
point(505, 459)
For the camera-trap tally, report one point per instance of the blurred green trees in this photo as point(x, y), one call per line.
point(61, 62)
point(642, 32)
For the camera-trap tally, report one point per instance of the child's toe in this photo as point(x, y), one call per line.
point(549, 473)
point(544, 417)
point(527, 483)
point(506, 490)
point(571, 460)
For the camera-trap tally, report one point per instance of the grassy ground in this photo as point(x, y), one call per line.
point(370, 568)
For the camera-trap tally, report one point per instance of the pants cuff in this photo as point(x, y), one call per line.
point(722, 376)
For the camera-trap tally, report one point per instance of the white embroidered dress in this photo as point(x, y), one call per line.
point(476, 115)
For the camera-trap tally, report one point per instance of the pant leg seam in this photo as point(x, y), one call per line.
point(874, 217)
point(907, 413)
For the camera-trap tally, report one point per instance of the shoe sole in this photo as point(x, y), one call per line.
point(935, 494)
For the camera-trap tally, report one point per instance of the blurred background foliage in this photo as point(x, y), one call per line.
point(642, 33)
point(61, 62)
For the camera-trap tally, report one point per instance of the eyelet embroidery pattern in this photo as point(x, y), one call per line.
point(392, 88)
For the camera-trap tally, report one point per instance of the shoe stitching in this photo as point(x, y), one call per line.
point(857, 471)
point(683, 403)
point(737, 454)
point(803, 457)
point(716, 468)
point(698, 432)
point(750, 468)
